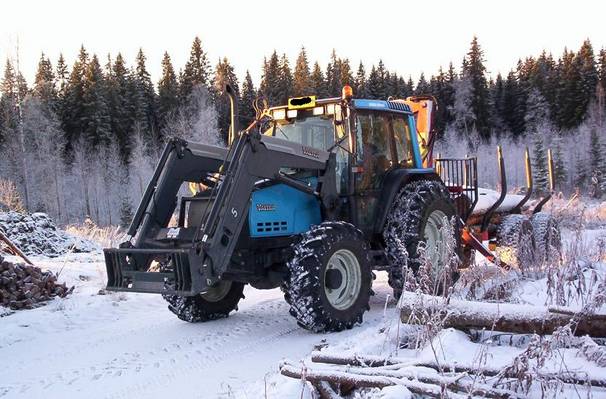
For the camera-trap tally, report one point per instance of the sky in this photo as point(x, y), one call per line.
point(410, 37)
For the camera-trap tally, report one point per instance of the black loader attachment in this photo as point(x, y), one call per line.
point(197, 253)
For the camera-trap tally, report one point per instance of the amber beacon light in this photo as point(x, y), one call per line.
point(347, 92)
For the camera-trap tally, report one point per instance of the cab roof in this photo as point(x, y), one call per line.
point(361, 103)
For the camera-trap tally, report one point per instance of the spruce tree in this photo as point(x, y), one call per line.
point(360, 82)
point(96, 121)
point(567, 92)
point(301, 79)
point(559, 164)
point(168, 93)
point(44, 84)
point(247, 99)
point(586, 90)
point(72, 114)
point(270, 81)
point(121, 97)
point(317, 81)
point(285, 80)
point(333, 75)
point(422, 87)
point(197, 71)
point(473, 67)
point(144, 100)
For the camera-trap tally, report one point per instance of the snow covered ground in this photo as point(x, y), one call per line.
point(130, 346)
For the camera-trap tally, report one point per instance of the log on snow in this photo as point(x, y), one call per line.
point(517, 318)
point(363, 381)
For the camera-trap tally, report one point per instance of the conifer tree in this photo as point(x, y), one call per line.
point(168, 93)
point(474, 69)
point(301, 79)
point(422, 86)
point(144, 100)
point(96, 118)
point(585, 58)
point(247, 98)
point(285, 80)
point(73, 118)
point(317, 81)
point(333, 75)
point(196, 72)
point(270, 81)
point(120, 95)
point(44, 83)
point(360, 82)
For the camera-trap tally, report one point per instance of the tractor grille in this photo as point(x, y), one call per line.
point(461, 179)
point(272, 227)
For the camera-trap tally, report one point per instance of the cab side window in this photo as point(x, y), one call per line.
point(373, 150)
point(401, 130)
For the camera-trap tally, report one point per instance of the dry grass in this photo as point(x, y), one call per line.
point(109, 236)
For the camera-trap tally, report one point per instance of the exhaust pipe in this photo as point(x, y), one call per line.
point(233, 100)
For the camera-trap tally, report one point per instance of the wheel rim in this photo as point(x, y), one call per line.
point(343, 269)
point(435, 235)
point(217, 292)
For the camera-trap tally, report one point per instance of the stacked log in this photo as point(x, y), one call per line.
point(26, 287)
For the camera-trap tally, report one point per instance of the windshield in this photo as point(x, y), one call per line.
point(312, 131)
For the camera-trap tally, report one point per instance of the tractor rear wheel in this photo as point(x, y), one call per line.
point(328, 286)
point(547, 237)
point(515, 241)
point(214, 304)
point(415, 234)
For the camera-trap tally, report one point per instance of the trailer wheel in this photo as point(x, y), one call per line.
point(515, 241)
point(547, 237)
point(328, 286)
point(214, 304)
point(416, 221)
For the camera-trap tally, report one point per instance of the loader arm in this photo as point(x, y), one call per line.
point(200, 260)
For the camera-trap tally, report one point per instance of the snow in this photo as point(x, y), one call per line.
point(130, 346)
point(486, 198)
point(36, 234)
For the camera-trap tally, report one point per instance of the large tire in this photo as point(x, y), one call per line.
point(515, 241)
point(547, 237)
point(329, 280)
point(216, 303)
point(418, 206)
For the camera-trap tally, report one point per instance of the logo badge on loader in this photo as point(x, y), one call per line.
point(310, 152)
point(234, 212)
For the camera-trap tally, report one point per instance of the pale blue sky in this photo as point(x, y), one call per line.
point(410, 37)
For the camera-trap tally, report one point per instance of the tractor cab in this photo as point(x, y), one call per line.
point(371, 139)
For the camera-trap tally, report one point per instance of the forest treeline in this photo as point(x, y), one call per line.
point(80, 139)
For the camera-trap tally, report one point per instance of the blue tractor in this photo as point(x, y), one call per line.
point(311, 197)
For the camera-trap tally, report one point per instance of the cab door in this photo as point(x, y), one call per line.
point(375, 157)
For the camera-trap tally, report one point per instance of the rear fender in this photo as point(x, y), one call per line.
point(392, 184)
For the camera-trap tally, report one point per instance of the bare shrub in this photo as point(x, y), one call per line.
point(10, 199)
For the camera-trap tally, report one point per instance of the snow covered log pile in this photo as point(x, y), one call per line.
point(26, 287)
point(36, 234)
point(509, 317)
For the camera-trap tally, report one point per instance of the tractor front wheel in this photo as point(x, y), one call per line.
point(214, 304)
point(328, 286)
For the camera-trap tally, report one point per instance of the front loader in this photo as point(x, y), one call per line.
point(311, 197)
